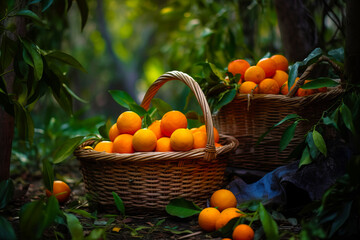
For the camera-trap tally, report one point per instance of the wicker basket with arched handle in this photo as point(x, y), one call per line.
point(151, 179)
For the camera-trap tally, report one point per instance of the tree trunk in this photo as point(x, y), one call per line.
point(297, 29)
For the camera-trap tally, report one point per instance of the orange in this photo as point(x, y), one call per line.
point(305, 92)
point(182, 140)
point(128, 122)
point(207, 219)
point(226, 215)
point(243, 232)
point(199, 139)
point(113, 132)
point(268, 65)
point(248, 87)
point(123, 144)
point(171, 121)
point(285, 89)
point(144, 140)
point(155, 127)
point(254, 74)
point(223, 199)
point(163, 145)
point(238, 66)
point(194, 130)
point(281, 62)
point(104, 146)
point(322, 89)
point(216, 132)
point(280, 77)
point(269, 86)
point(60, 190)
point(218, 145)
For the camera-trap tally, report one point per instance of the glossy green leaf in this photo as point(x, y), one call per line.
point(146, 122)
point(122, 98)
point(28, 14)
point(337, 54)
point(293, 73)
point(137, 109)
point(227, 98)
point(24, 123)
point(81, 213)
point(66, 149)
point(96, 234)
point(52, 210)
point(319, 83)
point(6, 230)
point(346, 116)
point(287, 136)
point(305, 157)
point(74, 226)
point(32, 220)
point(313, 150)
point(217, 71)
point(182, 208)
point(64, 99)
point(314, 55)
point(6, 192)
point(161, 106)
point(47, 4)
point(65, 58)
point(84, 12)
point(73, 94)
point(48, 174)
point(36, 59)
point(104, 129)
point(119, 203)
point(270, 227)
point(319, 142)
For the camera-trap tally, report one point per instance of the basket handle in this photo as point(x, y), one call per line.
point(210, 151)
point(309, 69)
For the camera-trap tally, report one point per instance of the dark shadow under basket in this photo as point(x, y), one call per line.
point(151, 179)
point(248, 117)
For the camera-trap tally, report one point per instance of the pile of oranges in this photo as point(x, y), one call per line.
point(165, 135)
point(268, 76)
point(222, 209)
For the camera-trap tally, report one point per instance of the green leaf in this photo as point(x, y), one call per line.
point(287, 136)
point(161, 106)
point(346, 116)
point(313, 150)
point(319, 142)
point(146, 122)
point(84, 12)
point(29, 14)
point(175, 231)
point(337, 54)
point(227, 230)
point(312, 56)
point(74, 226)
point(66, 149)
point(37, 60)
point(32, 220)
point(104, 129)
point(64, 99)
point(81, 212)
point(293, 72)
point(47, 5)
point(6, 192)
point(6, 230)
point(119, 203)
point(65, 58)
point(217, 71)
point(96, 234)
point(270, 227)
point(137, 109)
point(305, 157)
point(319, 83)
point(52, 211)
point(73, 94)
point(122, 98)
point(227, 98)
point(24, 123)
point(48, 174)
point(182, 208)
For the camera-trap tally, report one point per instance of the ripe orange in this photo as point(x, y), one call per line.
point(243, 232)
point(207, 219)
point(226, 215)
point(199, 139)
point(113, 132)
point(269, 86)
point(238, 66)
point(104, 146)
point(281, 62)
point(322, 89)
point(248, 87)
point(182, 140)
point(223, 199)
point(60, 190)
point(144, 140)
point(171, 121)
point(128, 122)
point(218, 145)
point(216, 132)
point(280, 77)
point(155, 127)
point(163, 145)
point(305, 92)
point(123, 144)
point(254, 74)
point(268, 65)
point(284, 89)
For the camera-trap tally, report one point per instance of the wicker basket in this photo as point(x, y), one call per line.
point(151, 179)
point(248, 117)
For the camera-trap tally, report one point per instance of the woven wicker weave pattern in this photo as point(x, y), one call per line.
point(151, 179)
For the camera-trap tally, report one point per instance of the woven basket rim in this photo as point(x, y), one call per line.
point(230, 143)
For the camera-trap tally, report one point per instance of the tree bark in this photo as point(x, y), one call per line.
point(297, 29)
